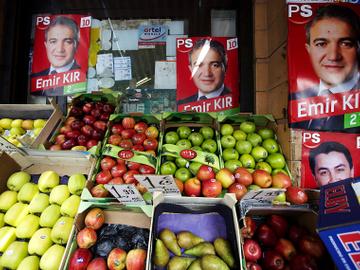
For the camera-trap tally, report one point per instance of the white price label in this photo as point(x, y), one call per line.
point(265, 196)
point(9, 147)
point(126, 194)
point(164, 183)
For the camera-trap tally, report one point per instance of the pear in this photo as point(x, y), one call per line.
point(70, 206)
point(223, 249)
point(59, 194)
point(49, 216)
point(17, 131)
point(29, 263)
point(27, 192)
point(27, 227)
point(17, 180)
point(7, 236)
point(52, 258)
point(201, 249)
point(213, 262)
point(48, 180)
point(195, 265)
point(39, 123)
point(61, 231)
point(2, 222)
point(39, 203)
point(169, 240)
point(16, 213)
point(179, 263)
point(16, 123)
point(5, 123)
point(76, 183)
point(188, 240)
point(162, 256)
point(40, 242)
point(7, 199)
point(14, 254)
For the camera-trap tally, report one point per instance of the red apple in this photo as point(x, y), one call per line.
point(77, 124)
point(239, 190)
point(65, 129)
point(73, 134)
point(133, 165)
point(140, 127)
point(87, 108)
point(281, 180)
point(311, 245)
point(86, 238)
point(249, 229)
point(192, 187)
point(152, 132)
point(138, 147)
point(99, 191)
point(99, 105)
point(117, 128)
point(211, 188)
point(91, 143)
point(108, 108)
point(107, 163)
point(296, 195)
point(262, 178)
point(252, 266)
point(205, 173)
point(129, 177)
point(146, 169)
point(121, 161)
point(265, 235)
point(116, 181)
point(273, 260)
point(104, 117)
point(180, 185)
point(98, 263)
point(80, 259)
point(59, 139)
point(279, 224)
point(252, 250)
point(103, 177)
point(138, 138)
point(97, 135)
point(150, 144)
point(68, 144)
point(128, 122)
point(87, 130)
point(225, 177)
point(116, 259)
point(118, 170)
point(100, 125)
point(296, 232)
point(95, 218)
point(285, 248)
point(82, 140)
point(96, 113)
point(55, 147)
point(302, 261)
point(69, 120)
point(128, 133)
point(114, 139)
point(136, 259)
point(89, 119)
point(75, 111)
point(126, 143)
point(243, 176)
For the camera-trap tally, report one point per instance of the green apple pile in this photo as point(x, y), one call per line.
point(36, 219)
point(11, 129)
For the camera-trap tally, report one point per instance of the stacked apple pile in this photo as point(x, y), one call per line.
point(199, 254)
point(85, 126)
point(138, 136)
point(42, 214)
point(116, 259)
point(118, 171)
point(11, 129)
point(277, 244)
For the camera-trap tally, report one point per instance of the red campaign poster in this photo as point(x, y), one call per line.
point(328, 157)
point(60, 58)
point(207, 73)
point(323, 68)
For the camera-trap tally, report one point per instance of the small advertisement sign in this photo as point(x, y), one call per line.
point(328, 157)
point(60, 59)
point(207, 73)
point(323, 65)
point(151, 35)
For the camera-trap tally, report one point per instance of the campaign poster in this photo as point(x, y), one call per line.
point(60, 58)
point(323, 65)
point(207, 74)
point(328, 157)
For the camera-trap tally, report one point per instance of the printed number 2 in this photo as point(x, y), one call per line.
point(353, 119)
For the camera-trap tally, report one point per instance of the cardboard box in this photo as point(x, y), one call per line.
point(114, 214)
point(339, 222)
point(207, 217)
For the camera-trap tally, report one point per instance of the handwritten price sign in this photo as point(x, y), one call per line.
point(164, 183)
point(126, 194)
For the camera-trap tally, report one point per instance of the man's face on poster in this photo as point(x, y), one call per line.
point(332, 49)
point(209, 73)
point(60, 45)
point(331, 167)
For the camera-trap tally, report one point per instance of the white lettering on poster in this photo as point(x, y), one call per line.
point(304, 10)
point(312, 109)
point(313, 137)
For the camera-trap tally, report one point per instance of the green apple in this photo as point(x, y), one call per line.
point(16, 213)
point(196, 148)
point(59, 194)
point(7, 236)
point(194, 167)
point(228, 141)
point(232, 164)
point(270, 145)
point(183, 174)
point(254, 139)
point(243, 147)
point(253, 187)
point(29, 263)
point(262, 165)
point(281, 198)
point(230, 153)
point(48, 180)
point(70, 206)
point(276, 160)
point(207, 132)
point(247, 161)
point(16, 123)
point(39, 123)
point(61, 231)
point(226, 129)
point(27, 227)
point(39, 203)
point(18, 131)
point(182, 162)
point(184, 144)
point(247, 127)
point(183, 132)
point(7, 199)
point(52, 258)
point(171, 137)
point(259, 153)
point(76, 183)
point(279, 170)
point(5, 123)
point(2, 222)
point(168, 167)
point(209, 145)
point(266, 133)
point(37, 131)
point(27, 192)
point(50, 215)
point(196, 138)
point(40, 242)
point(239, 135)
point(14, 254)
point(28, 124)
point(17, 180)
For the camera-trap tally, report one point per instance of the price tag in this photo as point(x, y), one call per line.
point(9, 147)
point(262, 196)
point(164, 183)
point(126, 194)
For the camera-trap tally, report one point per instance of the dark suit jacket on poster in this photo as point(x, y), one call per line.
point(332, 123)
point(57, 91)
point(195, 97)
